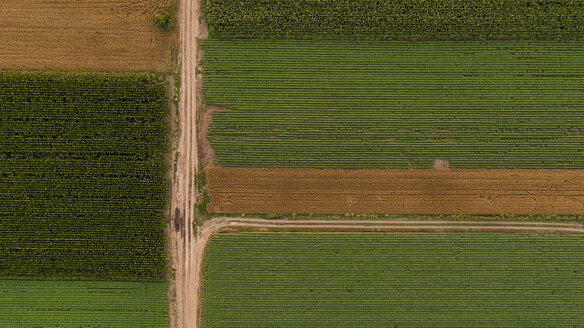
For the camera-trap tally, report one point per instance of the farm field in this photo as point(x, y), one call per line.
point(393, 279)
point(83, 304)
point(366, 104)
point(378, 191)
point(82, 176)
point(83, 35)
point(394, 19)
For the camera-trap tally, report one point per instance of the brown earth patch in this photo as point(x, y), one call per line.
point(375, 191)
point(205, 116)
point(83, 35)
point(441, 163)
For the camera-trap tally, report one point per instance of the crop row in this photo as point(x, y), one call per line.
point(393, 279)
point(395, 104)
point(82, 176)
point(395, 19)
point(83, 304)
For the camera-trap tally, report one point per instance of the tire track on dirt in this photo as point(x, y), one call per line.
point(183, 195)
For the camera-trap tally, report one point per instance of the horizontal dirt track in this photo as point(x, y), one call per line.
point(429, 191)
point(82, 35)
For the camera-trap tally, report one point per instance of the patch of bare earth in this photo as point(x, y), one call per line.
point(83, 35)
point(408, 191)
point(206, 153)
point(441, 163)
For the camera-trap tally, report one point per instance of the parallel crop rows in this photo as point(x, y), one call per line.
point(83, 304)
point(393, 279)
point(396, 105)
point(82, 187)
point(395, 19)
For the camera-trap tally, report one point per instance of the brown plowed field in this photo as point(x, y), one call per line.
point(82, 35)
point(431, 191)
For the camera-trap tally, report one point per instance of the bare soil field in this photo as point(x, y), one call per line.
point(375, 191)
point(83, 35)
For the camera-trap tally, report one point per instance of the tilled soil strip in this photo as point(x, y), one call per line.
point(376, 191)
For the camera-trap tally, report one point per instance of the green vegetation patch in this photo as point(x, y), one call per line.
point(393, 280)
point(395, 19)
point(83, 304)
point(82, 176)
point(392, 104)
point(165, 20)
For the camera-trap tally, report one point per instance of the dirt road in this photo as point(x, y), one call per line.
point(379, 191)
point(216, 225)
point(183, 192)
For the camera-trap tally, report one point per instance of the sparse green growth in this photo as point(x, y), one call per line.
point(204, 199)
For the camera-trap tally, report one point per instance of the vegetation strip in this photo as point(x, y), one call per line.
point(395, 19)
point(403, 279)
point(434, 191)
point(83, 304)
point(395, 104)
point(82, 176)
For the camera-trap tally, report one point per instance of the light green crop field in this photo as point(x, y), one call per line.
point(83, 304)
point(393, 280)
point(359, 104)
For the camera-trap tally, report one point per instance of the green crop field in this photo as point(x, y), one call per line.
point(393, 280)
point(391, 104)
point(83, 304)
point(395, 19)
point(82, 176)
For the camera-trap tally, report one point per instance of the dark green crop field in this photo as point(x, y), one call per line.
point(83, 304)
point(390, 104)
point(82, 176)
point(395, 19)
point(393, 280)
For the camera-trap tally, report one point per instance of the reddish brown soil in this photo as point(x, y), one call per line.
point(83, 35)
point(430, 191)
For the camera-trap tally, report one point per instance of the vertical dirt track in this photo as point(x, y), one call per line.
point(429, 191)
point(183, 230)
